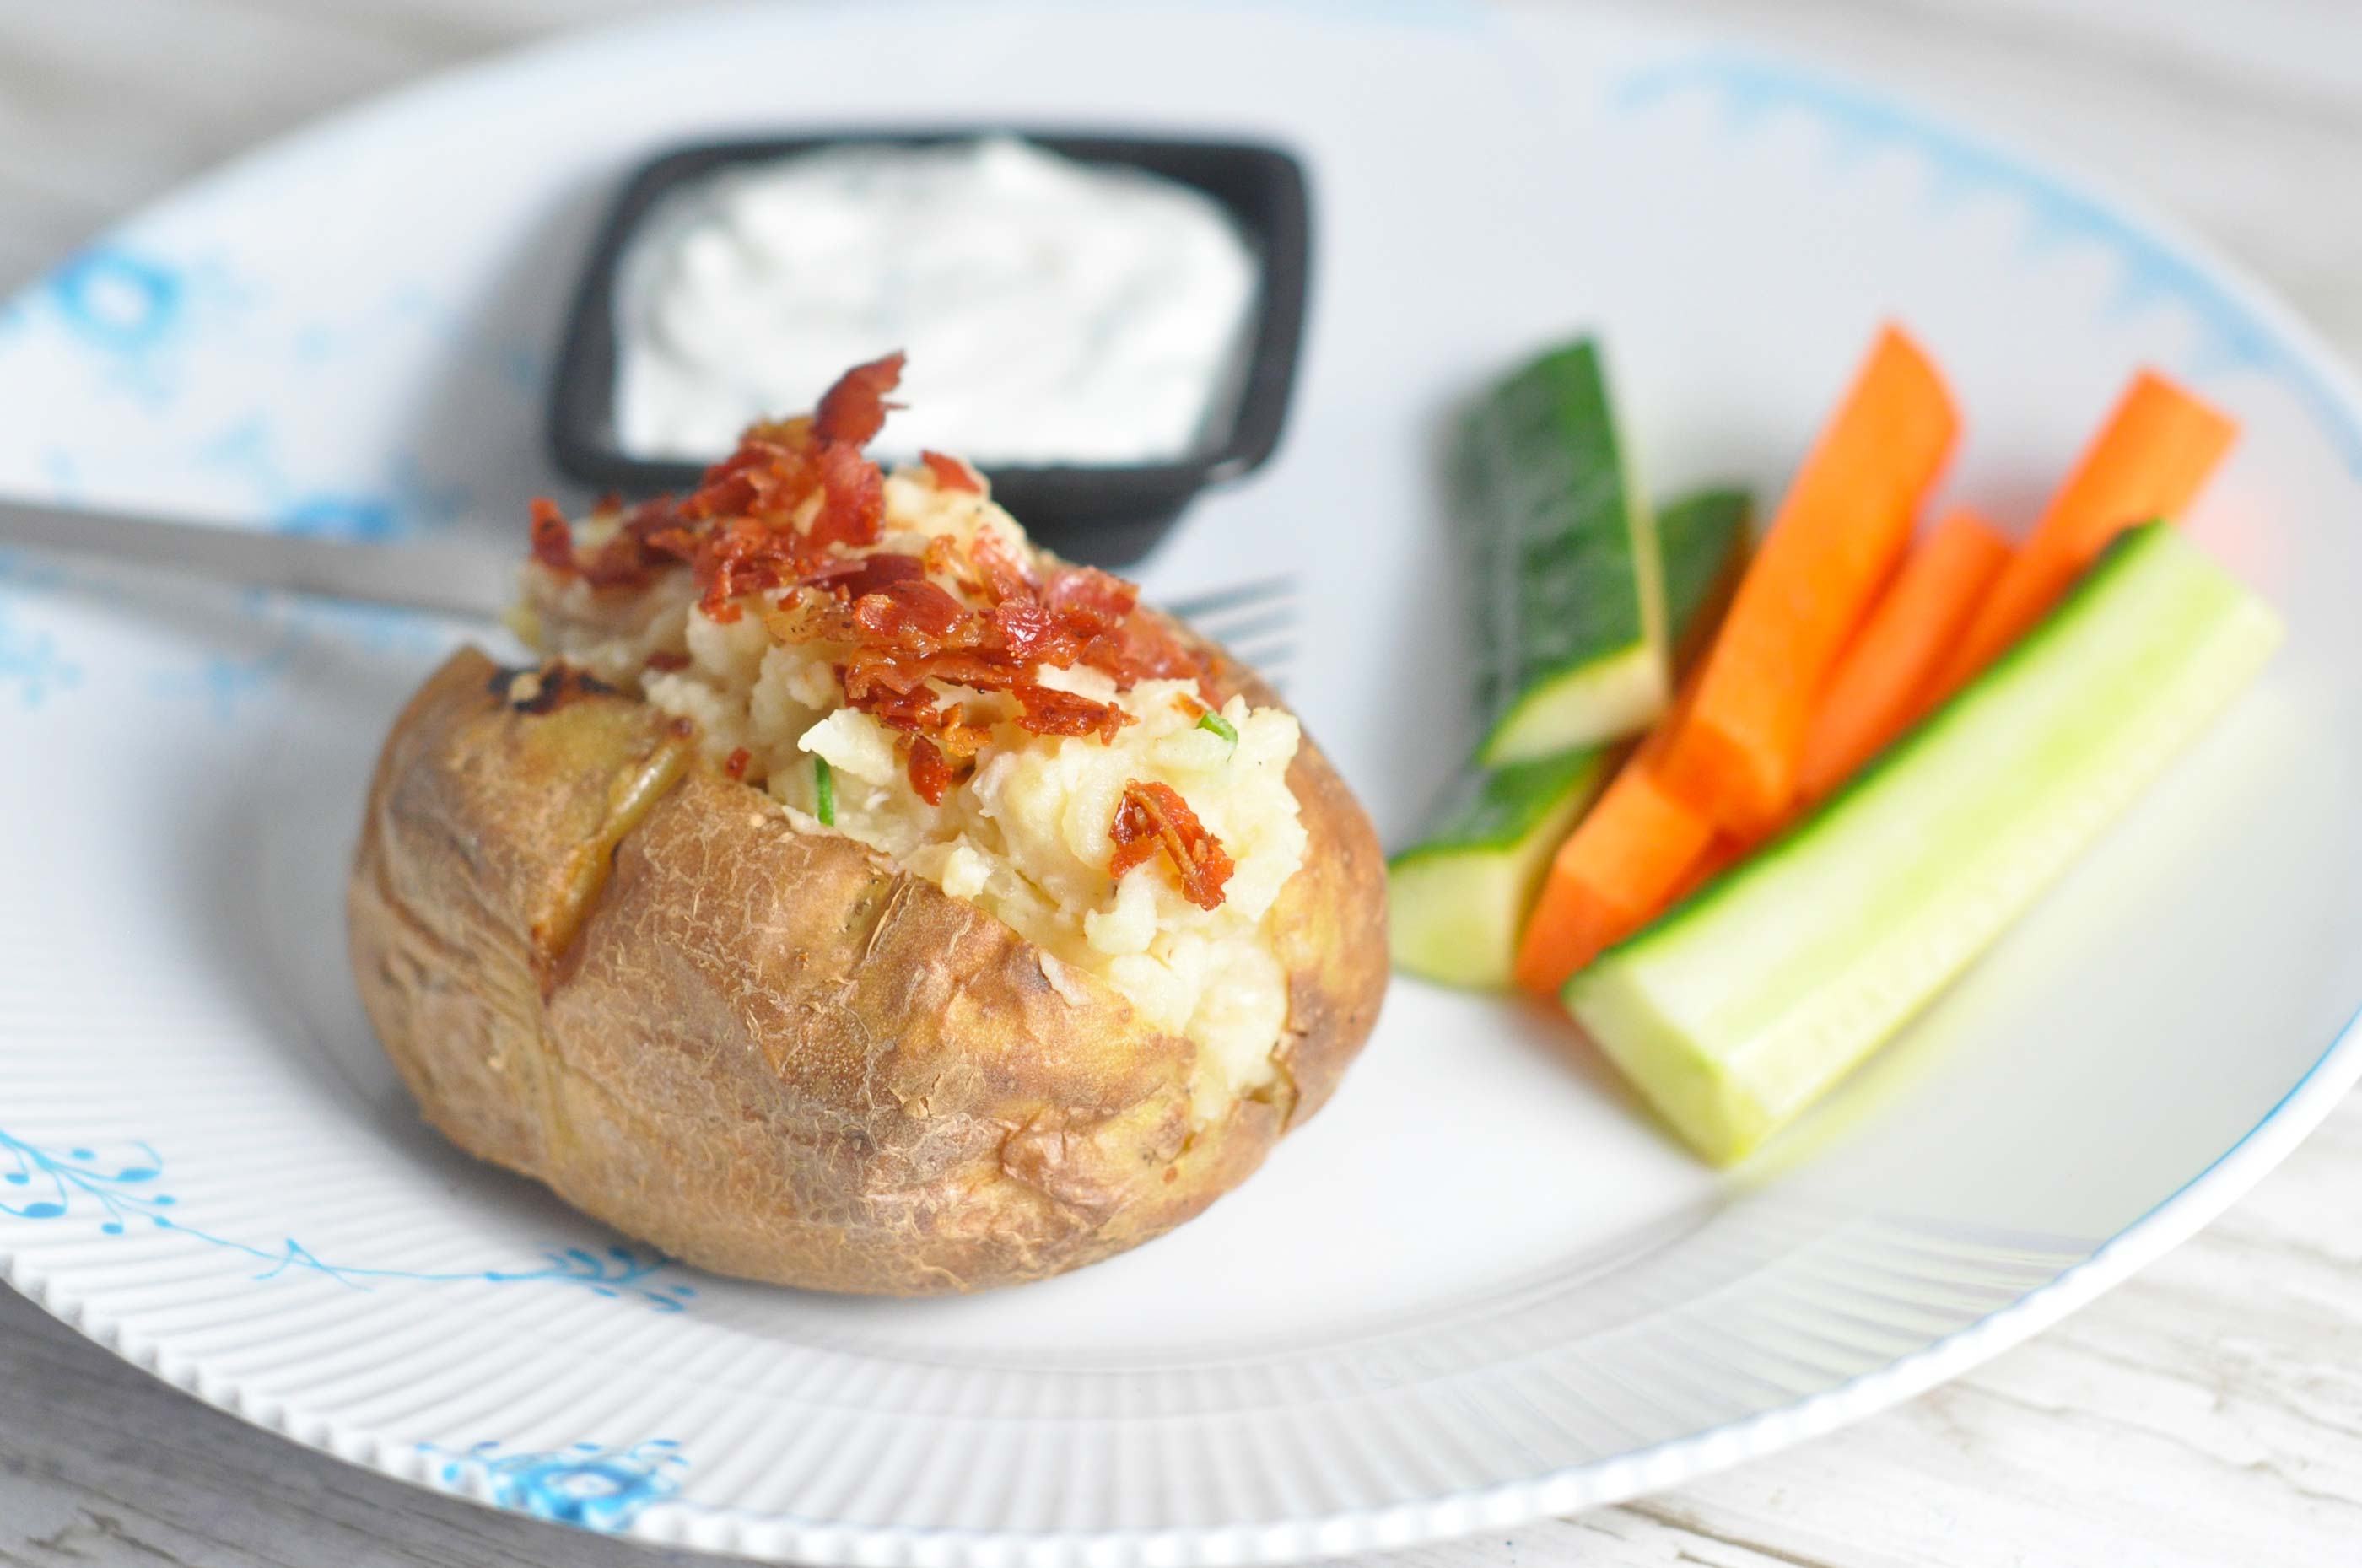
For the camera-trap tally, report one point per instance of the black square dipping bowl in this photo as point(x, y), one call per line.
point(1106, 514)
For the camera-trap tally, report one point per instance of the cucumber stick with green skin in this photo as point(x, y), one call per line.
point(1739, 1007)
point(1570, 593)
point(1702, 540)
point(1458, 900)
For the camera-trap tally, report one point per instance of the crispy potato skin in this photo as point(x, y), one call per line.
point(766, 1051)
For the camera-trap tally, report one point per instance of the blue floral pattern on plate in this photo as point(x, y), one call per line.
point(585, 1484)
point(50, 1184)
point(31, 663)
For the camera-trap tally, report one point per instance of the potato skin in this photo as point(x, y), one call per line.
point(764, 1049)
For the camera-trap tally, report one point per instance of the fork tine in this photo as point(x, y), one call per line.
point(1247, 628)
point(1240, 595)
point(1267, 659)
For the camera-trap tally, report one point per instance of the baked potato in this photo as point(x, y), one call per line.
point(853, 897)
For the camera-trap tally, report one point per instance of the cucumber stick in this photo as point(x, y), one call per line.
point(1458, 900)
point(1702, 539)
point(1739, 1007)
point(1571, 603)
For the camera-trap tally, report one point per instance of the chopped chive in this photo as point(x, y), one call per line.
point(1209, 720)
point(824, 792)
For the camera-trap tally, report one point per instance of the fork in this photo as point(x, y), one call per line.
point(472, 582)
point(1254, 622)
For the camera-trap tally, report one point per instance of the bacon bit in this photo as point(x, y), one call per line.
point(1029, 633)
point(1050, 712)
point(628, 557)
point(735, 764)
point(1001, 575)
point(769, 473)
point(853, 497)
point(942, 558)
point(1153, 816)
point(866, 574)
point(930, 774)
point(951, 473)
point(873, 678)
point(854, 410)
point(668, 659)
point(553, 536)
point(914, 711)
point(651, 537)
point(776, 506)
point(1086, 596)
point(1142, 649)
point(1191, 709)
point(740, 556)
point(913, 610)
point(961, 740)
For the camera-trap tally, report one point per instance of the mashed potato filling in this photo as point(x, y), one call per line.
point(1025, 825)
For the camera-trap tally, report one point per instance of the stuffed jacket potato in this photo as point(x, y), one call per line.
point(854, 898)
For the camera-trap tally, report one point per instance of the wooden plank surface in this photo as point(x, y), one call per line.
point(2208, 1413)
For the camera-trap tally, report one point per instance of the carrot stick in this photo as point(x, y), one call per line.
point(2147, 461)
point(1614, 872)
point(1613, 875)
point(1881, 680)
point(1834, 541)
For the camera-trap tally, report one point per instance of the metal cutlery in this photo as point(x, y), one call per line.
point(466, 581)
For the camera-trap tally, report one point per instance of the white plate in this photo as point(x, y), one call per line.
point(1481, 1287)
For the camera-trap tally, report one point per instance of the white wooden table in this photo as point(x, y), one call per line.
point(2208, 1413)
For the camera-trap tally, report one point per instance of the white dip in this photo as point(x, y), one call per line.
point(1053, 311)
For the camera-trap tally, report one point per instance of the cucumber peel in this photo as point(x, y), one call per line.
point(1739, 1007)
point(1571, 601)
point(1702, 539)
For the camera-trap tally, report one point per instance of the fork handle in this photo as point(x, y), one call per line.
point(438, 577)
